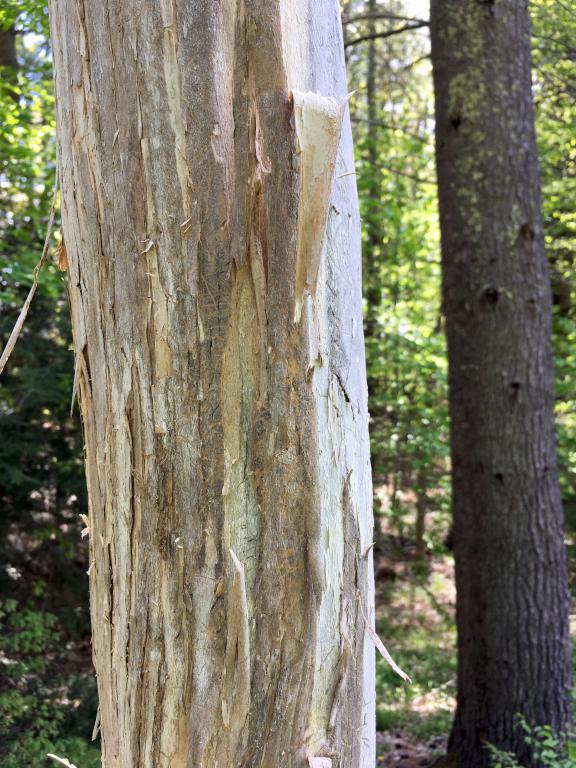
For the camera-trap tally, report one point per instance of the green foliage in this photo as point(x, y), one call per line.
point(554, 32)
point(36, 715)
point(27, 15)
point(549, 748)
point(25, 633)
point(405, 346)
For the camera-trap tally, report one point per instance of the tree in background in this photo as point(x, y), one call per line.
point(512, 607)
point(220, 371)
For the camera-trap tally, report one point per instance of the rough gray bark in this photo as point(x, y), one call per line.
point(513, 641)
point(221, 378)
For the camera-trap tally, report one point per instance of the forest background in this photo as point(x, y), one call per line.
point(47, 689)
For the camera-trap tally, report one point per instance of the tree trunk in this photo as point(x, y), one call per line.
point(221, 379)
point(9, 61)
point(513, 641)
point(8, 56)
point(421, 512)
point(373, 248)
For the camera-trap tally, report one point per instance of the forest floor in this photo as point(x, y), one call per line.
point(415, 609)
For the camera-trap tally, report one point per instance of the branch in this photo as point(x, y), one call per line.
point(563, 5)
point(569, 48)
point(7, 351)
point(392, 127)
point(388, 33)
point(398, 172)
point(413, 63)
point(381, 15)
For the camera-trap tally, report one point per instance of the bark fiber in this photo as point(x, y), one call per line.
point(221, 378)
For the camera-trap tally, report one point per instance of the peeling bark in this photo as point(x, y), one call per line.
point(227, 454)
point(318, 120)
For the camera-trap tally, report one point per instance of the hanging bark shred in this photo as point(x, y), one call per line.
point(7, 351)
point(62, 256)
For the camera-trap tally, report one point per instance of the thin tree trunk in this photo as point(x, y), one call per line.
point(8, 56)
point(220, 373)
point(372, 256)
point(9, 61)
point(512, 614)
point(421, 512)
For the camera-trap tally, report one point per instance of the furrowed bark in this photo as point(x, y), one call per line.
point(512, 608)
point(221, 379)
